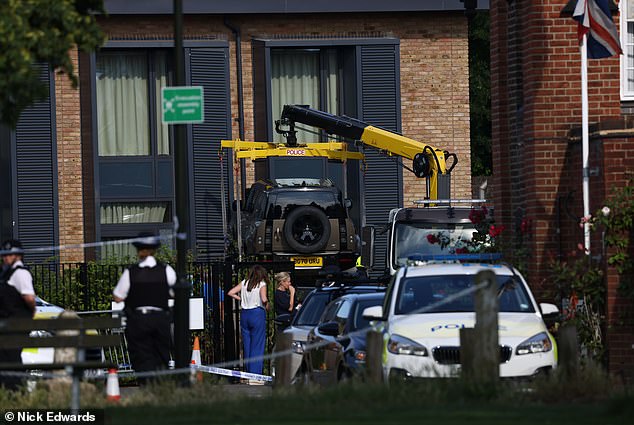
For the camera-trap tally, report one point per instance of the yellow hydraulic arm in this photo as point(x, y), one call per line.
point(428, 162)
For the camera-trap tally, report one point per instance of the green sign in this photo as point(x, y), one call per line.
point(182, 105)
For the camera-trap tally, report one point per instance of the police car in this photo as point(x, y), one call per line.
point(43, 310)
point(427, 304)
point(43, 355)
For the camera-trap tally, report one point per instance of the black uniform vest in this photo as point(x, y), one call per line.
point(148, 287)
point(11, 302)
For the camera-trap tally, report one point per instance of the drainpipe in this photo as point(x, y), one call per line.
point(483, 188)
point(238, 38)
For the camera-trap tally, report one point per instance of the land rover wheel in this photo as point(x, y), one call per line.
point(307, 229)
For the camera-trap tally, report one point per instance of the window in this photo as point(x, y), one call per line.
point(305, 77)
point(135, 166)
point(627, 43)
point(123, 113)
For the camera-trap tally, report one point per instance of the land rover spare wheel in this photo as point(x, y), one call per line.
point(307, 229)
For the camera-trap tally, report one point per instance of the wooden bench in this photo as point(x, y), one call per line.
point(77, 333)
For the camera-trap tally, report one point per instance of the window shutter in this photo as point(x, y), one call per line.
point(209, 68)
point(380, 106)
point(35, 183)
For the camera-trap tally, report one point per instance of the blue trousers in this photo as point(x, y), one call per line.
point(253, 327)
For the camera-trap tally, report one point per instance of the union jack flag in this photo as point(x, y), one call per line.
point(594, 18)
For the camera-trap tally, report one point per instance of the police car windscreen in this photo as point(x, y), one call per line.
point(417, 239)
point(423, 294)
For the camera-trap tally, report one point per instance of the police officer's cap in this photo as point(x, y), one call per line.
point(147, 240)
point(11, 246)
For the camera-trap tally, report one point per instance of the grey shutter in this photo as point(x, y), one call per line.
point(35, 175)
point(380, 106)
point(209, 68)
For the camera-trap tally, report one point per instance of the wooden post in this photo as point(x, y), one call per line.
point(283, 363)
point(483, 345)
point(468, 343)
point(567, 344)
point(374, 357)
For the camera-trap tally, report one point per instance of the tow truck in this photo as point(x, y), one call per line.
point(407, 227)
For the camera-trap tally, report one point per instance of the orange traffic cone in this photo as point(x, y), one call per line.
point(112, 386)
point(196, 360)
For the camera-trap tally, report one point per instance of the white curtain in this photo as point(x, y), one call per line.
point(122, 213)
point(162, 130)
point(332, 94)
point(119, 213)
point(125, 253)
point(294, 80)
point(122, 104)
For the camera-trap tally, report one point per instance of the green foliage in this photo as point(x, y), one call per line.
point(580, 287)
point(43, 31)
point(616, 218)
point(480, 94)
point(580, 281)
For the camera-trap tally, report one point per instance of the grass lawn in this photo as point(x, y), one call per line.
point(381, 405)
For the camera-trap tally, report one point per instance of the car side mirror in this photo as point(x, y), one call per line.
point(373, 313)
point(329, 328)
point(550, 313)
point(548, 309)
point(283, 319)
point(347, 203)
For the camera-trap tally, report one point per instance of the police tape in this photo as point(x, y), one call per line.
point(165, 237)
point(220, 368)
point(356, 333)
point(233, 373)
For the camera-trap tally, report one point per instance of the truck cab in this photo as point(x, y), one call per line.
point(415, 232)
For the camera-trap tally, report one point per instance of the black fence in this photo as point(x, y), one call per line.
point(87, 287)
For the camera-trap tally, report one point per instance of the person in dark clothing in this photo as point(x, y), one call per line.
point(17, 299)
point(284, 296)
point(146, 288)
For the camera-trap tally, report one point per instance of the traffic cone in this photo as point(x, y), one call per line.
point(196, 360)
point(112, 386)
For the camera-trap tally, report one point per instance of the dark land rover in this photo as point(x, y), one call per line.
point(303, 220)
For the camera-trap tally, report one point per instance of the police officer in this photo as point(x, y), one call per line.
point(146, 287)
point(17, 298)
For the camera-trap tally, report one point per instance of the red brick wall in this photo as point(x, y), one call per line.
point(434, 87)
point(536, 102)
point(69, 165)
point(434, 70)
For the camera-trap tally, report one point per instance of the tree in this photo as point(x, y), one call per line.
point(43, 31)
point(480, 94)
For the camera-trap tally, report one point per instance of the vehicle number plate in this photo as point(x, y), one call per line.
point(308, 262)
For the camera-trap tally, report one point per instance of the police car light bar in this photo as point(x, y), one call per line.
point(457, 257)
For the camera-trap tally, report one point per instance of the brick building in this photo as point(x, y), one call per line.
point(536, 114)
point(104, 163)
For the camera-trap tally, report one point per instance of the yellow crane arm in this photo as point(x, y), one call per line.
point(428, 161)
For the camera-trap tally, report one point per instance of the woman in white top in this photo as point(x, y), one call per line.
point(253, 302)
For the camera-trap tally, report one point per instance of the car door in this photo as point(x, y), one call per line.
point(334, 350)
point(317, 356)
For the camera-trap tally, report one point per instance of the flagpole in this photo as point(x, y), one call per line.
point(585, 148)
